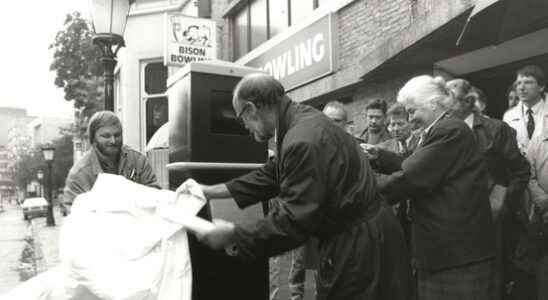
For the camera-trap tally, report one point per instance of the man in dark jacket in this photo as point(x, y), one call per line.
point(324, 188)
point(375, 132)
point(508, 169)
point(446, 179)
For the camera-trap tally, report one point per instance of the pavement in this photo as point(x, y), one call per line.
point(46, 241)
point(13, 230)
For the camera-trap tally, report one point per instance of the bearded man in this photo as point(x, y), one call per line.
point(107, 154)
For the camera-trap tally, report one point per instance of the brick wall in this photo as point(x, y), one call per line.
point(363, 25)
point(224, 42)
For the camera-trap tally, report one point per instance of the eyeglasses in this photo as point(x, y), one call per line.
point(239, 116)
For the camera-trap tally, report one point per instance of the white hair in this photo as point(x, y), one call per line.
point(424, 90)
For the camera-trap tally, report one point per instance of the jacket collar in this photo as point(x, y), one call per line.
point(479, 120)
point(286, 117)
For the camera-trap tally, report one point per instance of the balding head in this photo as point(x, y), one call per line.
point(255, 101)
point(260, 89)
point(335, 111)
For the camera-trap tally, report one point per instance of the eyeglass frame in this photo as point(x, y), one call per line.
point(239, 115)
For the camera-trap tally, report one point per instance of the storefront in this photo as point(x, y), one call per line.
point(370, 48)
point(347, 50)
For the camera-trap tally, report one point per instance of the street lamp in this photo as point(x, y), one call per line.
point(48, 150)
point(40, 176)
point(109, 20)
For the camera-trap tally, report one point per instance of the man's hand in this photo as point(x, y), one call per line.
point(371, 151)
point(221, 236)
point(542, 203)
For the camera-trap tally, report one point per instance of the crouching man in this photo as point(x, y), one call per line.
point(107, 154)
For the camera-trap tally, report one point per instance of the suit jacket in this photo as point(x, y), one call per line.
point(505, 163)
point(393, 145)
point(446, 179)
point(514, 118)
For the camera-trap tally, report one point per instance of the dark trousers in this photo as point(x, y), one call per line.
point(471, 282)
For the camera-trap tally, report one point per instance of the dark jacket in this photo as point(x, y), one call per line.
point(505, 163)
point(324, 187)
point(367, 137)
point(446, 179)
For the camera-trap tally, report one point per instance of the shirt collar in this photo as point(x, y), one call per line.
point(470, 120)
point(535, 108)
point(427, 130)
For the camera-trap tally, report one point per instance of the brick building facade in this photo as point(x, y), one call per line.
point(378, 45)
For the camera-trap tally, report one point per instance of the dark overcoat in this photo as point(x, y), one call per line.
point(323, 186)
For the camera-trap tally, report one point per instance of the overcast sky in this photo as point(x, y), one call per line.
point(27, 28)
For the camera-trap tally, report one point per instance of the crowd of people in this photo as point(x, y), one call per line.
point(433, 200)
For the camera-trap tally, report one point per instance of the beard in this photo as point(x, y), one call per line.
point(109, 150)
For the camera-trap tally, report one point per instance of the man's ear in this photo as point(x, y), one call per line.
point(469, 101)
point(252, 108)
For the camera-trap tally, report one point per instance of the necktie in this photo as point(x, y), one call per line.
point(530, 123)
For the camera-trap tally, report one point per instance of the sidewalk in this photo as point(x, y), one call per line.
point(46, 240)
point(14, 229)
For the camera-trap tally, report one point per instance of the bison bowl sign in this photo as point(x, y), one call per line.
point(189, 39)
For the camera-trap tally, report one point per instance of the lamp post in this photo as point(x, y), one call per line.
point(109, 20)
point(40, 176)
point(49, 151)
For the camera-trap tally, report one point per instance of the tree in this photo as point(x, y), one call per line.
point(27, 161)
point(62, 160)
point(24, 162)
point(78, 71)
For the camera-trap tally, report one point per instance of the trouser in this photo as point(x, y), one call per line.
point(274, 277)
point(367, 260)
point(471, 282)
point(297, 273)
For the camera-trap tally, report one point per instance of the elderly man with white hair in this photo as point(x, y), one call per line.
point(446, 180)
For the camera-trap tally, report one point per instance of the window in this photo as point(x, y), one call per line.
point(259, 24)
point(300, 10)
point(241, 33)
point(278, 14)
point(156, 114)
point(260, 20)
point(155, 78)
point(154, 98)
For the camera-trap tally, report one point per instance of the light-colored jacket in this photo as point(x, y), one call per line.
point(537, 154)
point(515, 118)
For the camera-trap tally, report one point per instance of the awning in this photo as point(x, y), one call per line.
point(492, 22)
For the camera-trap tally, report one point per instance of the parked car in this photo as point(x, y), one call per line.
point(34, 207)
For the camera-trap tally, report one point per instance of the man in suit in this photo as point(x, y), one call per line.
point(446, 180)
point(508, 169)
point(537, 153)
point(528, 116)
point(375, 133)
